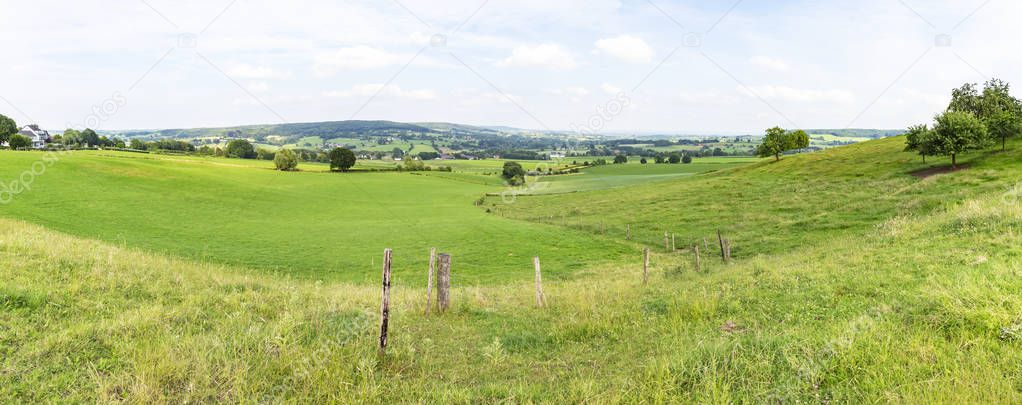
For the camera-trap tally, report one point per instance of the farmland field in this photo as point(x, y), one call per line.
point(140, 278)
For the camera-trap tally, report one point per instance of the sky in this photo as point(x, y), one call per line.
point(605, 66)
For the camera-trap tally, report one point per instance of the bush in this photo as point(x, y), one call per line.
point(674, 158)
point(620, 159)
point(285, 160)
point(20, 141)
point(263, 154)
point(687, 159)
point(513, 173)
point(240, 149)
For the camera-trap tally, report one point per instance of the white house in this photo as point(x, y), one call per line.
point(38, 136)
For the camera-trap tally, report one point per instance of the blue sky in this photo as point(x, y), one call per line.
point(673, 66)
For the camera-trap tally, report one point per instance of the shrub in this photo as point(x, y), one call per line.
point(687, 159)
point(20, 141)
point(674, 158)
point(240, 149)
point(285, 160)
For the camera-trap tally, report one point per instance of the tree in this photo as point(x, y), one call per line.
point(994, 106)
point(674, 158)
point(956, 132)
point(428, 155)
point(798, 139)
point(397, 153)
point(264, 154)
point(774, 143)
point(18, 141)
point(285, 160)
point(919, 139)
point(1004, 125)
point(240, 149)
point(341, 159)
point(687, 159)
point(90, 138)
point(7, 128)
point(643, 161)
point(513, 173)
point(620, 159)
point(137, 144)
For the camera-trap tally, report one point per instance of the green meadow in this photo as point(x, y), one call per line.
point(140, 278)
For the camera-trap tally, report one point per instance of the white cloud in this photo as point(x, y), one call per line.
point(547, 56)
point(791, 94)
point(575, 91)
point(627, 48)
point(258, 87)
point(610, 89)
point(707, 97)
point(389, 91)
point(770, 63)
point(357, 57)
point(246, 71)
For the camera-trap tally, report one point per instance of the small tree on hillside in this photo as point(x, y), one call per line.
point(620, 159)
point(674, 158)
point(687, 159)
point(513, 173)
point(919, 139)
point(798, 139)
point(775, 143)
point(341, 159)
point(285, 160)
point(7, 128)
point(957, 132)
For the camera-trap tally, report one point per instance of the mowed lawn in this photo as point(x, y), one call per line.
point(308, 224)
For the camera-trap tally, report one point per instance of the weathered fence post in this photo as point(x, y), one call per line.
point(674, 247)
point(385, 301)
point(706, 246)
point(628, 232)
point(723, 253)
point(540, 299)
point(698, 262)
point(667, 242)
point(645, 265)
point(443, 288)
point(429, 280)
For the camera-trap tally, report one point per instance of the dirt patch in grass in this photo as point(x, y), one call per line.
point(933, 171)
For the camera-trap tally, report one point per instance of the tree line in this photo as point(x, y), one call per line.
point(975, 119)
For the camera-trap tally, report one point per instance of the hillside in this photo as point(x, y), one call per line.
point(854, 281)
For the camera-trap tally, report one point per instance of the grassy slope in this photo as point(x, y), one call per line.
point(923, 305)
point(313, 225)
point(773, 207)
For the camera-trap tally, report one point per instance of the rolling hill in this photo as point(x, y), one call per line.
point(858, 277)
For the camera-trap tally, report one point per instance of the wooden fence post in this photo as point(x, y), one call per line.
point(674, 247)
point(698, 263)
point(385, 301)
point(645, 265)
point(706, 246)
point(540, 299)
point(723, 254)
point(443, 288)
point(667, 242)
point(429, 280)
point(628, 232)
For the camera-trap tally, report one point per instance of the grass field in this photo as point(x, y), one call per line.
point(853, 281)
point(309, 224)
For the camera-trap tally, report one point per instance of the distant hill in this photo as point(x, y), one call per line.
point(332, 129)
